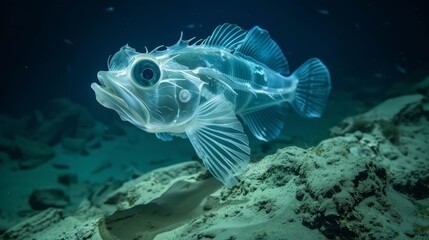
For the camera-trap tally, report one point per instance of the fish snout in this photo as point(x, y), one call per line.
point(109, 83)
point(103, 79)
point(112, 92)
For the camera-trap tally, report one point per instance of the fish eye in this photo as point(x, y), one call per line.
point(146, 73)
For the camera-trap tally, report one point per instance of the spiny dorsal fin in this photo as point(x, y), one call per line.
point(227, 35)
point(259, 46)
point(255, 43)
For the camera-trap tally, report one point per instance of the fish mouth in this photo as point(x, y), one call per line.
point(112, 94)
point(102, 78)
point(105, 92)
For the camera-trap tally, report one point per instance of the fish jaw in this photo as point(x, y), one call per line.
point(118, 94)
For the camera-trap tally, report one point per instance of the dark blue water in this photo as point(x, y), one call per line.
point(55, 48)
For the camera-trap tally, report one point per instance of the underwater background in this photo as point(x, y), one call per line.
point(66, 161)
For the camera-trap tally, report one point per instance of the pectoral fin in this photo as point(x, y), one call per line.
point(218, 139)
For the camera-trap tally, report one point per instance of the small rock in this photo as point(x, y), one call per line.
point(31, 149)
point(60, 166)
point(299, 195)
point(67, 179)
point(33, 153)
point(75, 145)
point(41, 199)
point(261, 235)
point(210, 203)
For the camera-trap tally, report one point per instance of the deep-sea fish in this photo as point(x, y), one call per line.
point(197, 90)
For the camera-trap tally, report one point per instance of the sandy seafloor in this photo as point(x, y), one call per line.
point(359, 172)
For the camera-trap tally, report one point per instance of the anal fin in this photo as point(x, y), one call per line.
point(266, 124)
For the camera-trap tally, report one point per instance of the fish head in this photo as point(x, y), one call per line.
point(151, 91)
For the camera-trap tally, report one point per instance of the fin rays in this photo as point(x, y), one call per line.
point(227, 35)
point(218, 139)
point(314, 87)
point(266, 124)
point(259, 45)
point(255, 43)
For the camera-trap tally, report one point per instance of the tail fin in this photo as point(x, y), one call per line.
point(314, 86)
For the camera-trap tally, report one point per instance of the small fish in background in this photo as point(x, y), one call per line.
point(109, 9)
point(68, 41)
point(192, 26)
point(379, 75)
point(197, 90)
point(323, 11)
point(400, 68)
